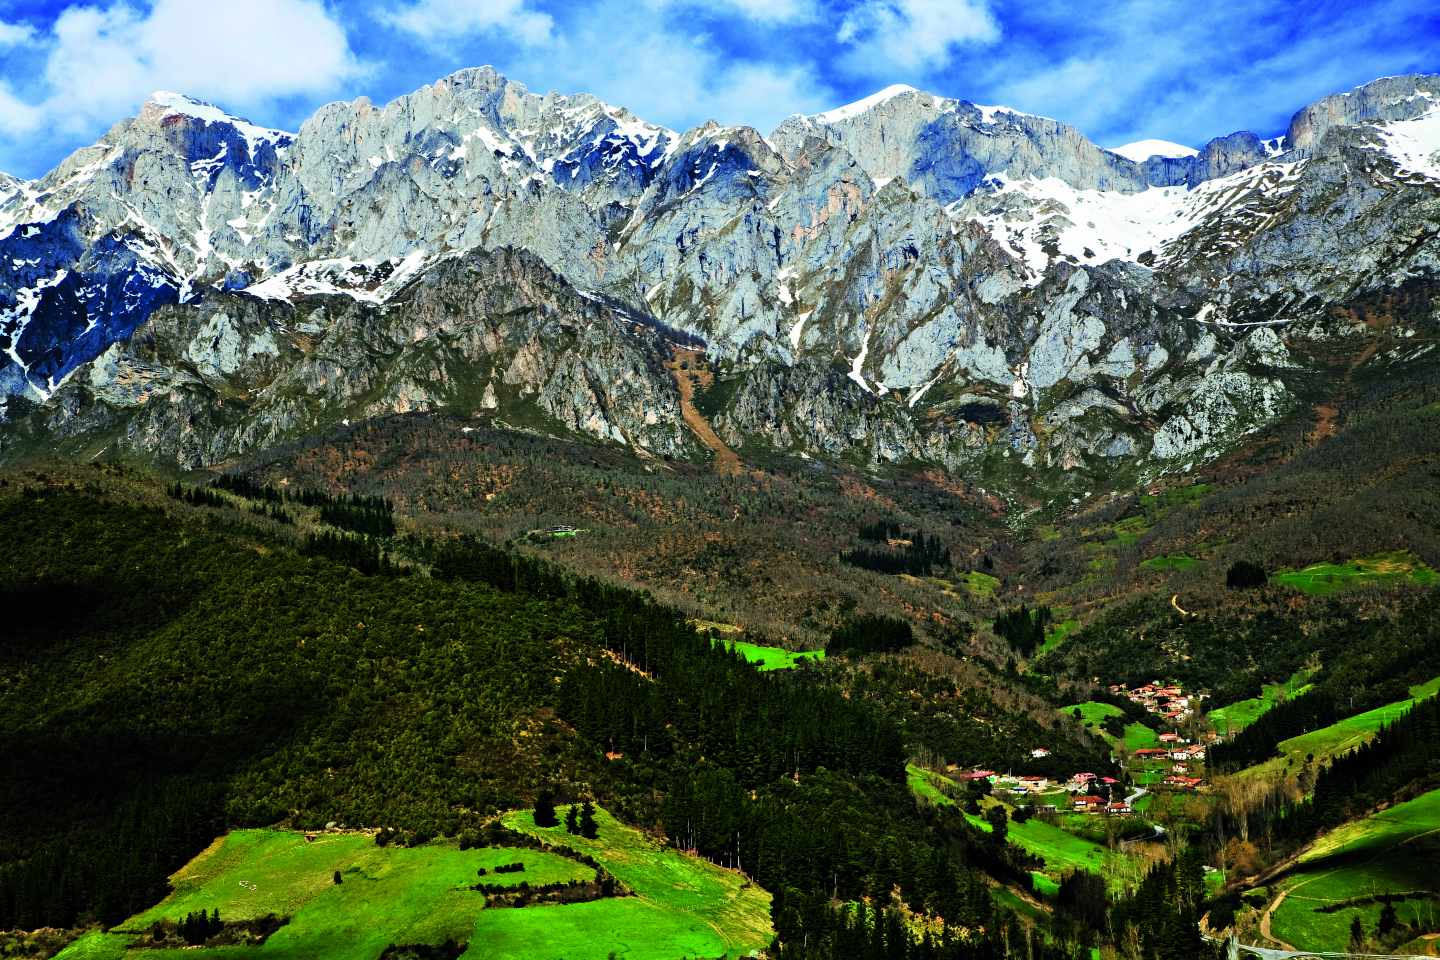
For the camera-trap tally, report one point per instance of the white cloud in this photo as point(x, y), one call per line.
point(14, 34)
point(104, 60)
point(668, 74)
point(17, 117)
point(761, 11)
point(772, 11)
point(442, 22)
point(915, 34)
point(95, 64)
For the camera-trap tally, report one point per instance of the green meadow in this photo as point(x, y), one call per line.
point(683, 906)
point(1170, 561)
point(772, 658)
point(1341, 736)
point(1057, 635)
point(394, 895)
point(1321, 579)
point(1239, 715)
point(980, 584)
point(1391, 852)
point(1093, 713)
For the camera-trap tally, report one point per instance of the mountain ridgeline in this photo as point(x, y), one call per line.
point(910, 278)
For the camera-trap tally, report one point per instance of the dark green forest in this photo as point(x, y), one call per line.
point(182, 668)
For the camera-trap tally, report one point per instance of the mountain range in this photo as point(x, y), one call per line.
point(907, 279)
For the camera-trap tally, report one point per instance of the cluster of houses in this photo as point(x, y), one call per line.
point(1164, 700)
point(1078, 786)
point(1180, 752)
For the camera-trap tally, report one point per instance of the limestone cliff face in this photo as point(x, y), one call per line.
point(494, 332)
point(910, 278)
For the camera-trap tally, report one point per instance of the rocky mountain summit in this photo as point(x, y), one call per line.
point(910, 278)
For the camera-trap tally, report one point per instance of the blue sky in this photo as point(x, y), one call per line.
point(1120, 70)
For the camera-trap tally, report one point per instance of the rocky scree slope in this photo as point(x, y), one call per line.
point(908, 278)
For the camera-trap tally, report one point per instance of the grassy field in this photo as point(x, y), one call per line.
point(925, 784)
point(1341, 736)
point(1175, 497)
point(980, 584)
point(1057, 635)
point(772, 658)
point(1393, 851)
point(1239, 715)
point(1170, 561)
point(1092, 714)
point(1129, 531)
point(1061, 851)
point(765, 658)
point(1320, 579)
point(388, 894)
point(684, 906)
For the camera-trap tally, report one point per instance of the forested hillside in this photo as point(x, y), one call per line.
point(177, 669)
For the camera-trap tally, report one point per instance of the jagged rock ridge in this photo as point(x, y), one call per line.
point(910, 277)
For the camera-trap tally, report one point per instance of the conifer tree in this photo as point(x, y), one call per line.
point(588, 828)
point(545, 810)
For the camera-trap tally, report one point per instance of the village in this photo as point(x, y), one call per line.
point(1171, 764)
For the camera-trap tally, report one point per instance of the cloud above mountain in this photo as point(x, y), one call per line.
point(92, 65)
point(1124, 70)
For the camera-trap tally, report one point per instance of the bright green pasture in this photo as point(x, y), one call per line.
point(1393, 851)
point(1320, 579)
point(980, 584)
point(1342, 736)
point(925, 785)
point(683, 906)
point(1061, 850)
point(772, 658)
point(387, 894)
point(1239, 715)
point(1140, 737)
point(1093, 713)
point(1170, 561)
point(1057, 635)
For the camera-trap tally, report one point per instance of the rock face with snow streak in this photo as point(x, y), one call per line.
point(910, 278)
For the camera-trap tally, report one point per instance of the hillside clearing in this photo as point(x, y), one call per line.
point(1237, 716)
point(1338, 737)
point(1387, 853)
point(1322, 579)
point(422, 895)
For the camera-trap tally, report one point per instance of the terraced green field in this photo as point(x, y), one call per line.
point(1339, 737)
point(1237, 716)
point(1394, 851)
point(772, 658)
point(683, 906)
point(1322, 579)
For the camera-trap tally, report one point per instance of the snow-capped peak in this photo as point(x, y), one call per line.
point(852, 110)
point(167, 103)
point(1142, 150)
